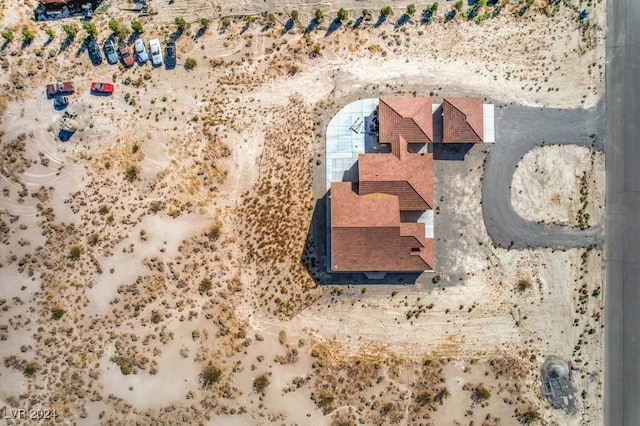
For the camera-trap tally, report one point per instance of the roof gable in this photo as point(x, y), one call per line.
point(462, 120)
point(411, 117)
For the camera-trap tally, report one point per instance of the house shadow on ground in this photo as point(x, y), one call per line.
point(317, 249)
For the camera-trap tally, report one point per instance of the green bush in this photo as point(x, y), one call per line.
point(70, 30)
point(204, 22)
point(386, 11)
point(411, 9)
point(342, 14)
point(190, 63)
point(30, 369)
point(75, 253)
point(131, 172)
point(27, 35)
point(458, 5)
point(319, 15)
point(7, 35)
point(294, 15)
point(137, 26)
point(50, 33)
point(181, 23)
point(90, 28)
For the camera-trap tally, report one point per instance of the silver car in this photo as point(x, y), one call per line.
point(110, 51)
point(156, 52)
point(141, 52)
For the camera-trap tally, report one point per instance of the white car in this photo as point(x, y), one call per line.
point(156, 52)
point(141, 52)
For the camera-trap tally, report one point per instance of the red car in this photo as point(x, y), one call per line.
point(101, 88)
point(125, 54)
point(65, 88)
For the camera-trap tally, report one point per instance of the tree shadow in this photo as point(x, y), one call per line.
point(523, 10)
point(266, 27)
point(403, 19)
point(316, 255)
point(25, 44)
point(245, 27)
point(83, 47)
point(334, 26)
point(176, 35)
point(201, 32)
point(496, 11)
point(287, 26)
point(65, 44)
point(450, 16)
point(426, 17)
point(4, 45)
point(358, 22)
point(381, 20)
point(133, 37)
point(313, 24)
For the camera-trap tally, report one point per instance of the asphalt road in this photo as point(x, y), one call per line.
point(622, 295)
point(518, 130)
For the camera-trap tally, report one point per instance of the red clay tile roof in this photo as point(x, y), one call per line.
point(407, 175)
point(367, 235)
point(462, 120)
point(409, 116)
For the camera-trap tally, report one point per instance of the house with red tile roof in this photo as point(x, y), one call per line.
point(462, 120)
point(373, 225)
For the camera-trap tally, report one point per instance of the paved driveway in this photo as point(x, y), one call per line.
point(518, 130)
point(622, 295)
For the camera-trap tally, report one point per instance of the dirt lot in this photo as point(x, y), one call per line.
point(157, 266)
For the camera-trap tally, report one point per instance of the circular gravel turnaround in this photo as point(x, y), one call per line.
point(518, 130)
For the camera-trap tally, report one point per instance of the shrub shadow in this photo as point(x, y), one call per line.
point(335, 25)
point(287, 26)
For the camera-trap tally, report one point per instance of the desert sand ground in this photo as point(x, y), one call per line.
point(156, 267)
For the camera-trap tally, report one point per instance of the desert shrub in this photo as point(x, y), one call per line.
point(386, 11)
point(424, 398)
point(75, 252)
point(190, 63)
point(27, 35)
point(260, 383)
point(204, 22)
point(181, 23)
point(7, 35)
point(137, 26)
point(210, 376)
point(319, 15)
point(205, 285)
point(57, 313)
point(458, 5)
point(480, 393)
point(529, 417)
point(213, 233)
point(131, 173)
point(411, 9)
point(436, 279)
point(30, 369)
point(70, 30)
point(342, 14)
point(524, 285)
point(50, 33)
point(294, 15)
point(90, 28)
point(434, 7)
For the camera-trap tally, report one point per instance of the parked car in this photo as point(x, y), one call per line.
point(94, 52)
point(65, 88)
point(110, 51)
point(170, 55)
point(60, 102)
point(125, 54)
point(101, 88)
point(156, 53)
point(141, 52)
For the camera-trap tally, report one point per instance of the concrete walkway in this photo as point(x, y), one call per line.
point(518, 130)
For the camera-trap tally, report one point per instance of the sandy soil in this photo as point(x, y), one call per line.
point(169, 237)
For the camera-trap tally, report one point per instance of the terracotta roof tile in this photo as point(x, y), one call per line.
point(411, 117)
point(462, 120)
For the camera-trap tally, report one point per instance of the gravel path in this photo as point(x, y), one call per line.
point(518, 130)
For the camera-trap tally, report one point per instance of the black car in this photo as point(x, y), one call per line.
point(170, 55)
point(110, 51)
point(94, 52)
